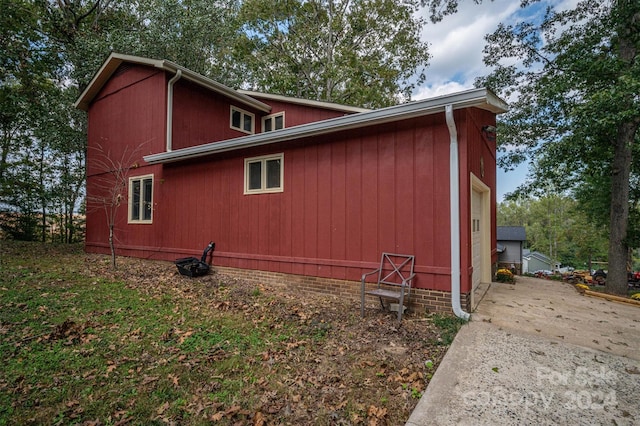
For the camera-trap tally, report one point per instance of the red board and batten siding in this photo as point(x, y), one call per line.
point(201, 116)
point(126, 122)
point(348, 196)
point(478, 157)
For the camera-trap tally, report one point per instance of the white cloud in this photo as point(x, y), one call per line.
point(456, 45)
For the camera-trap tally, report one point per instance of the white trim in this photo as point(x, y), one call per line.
point(478, 98)
point(273, 117)
point(114, 60)
point(242, 115)
point(263, 178)
point(484, 191)
point(140, 178)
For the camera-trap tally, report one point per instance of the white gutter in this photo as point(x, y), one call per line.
point(170, 109)
point(454, 200)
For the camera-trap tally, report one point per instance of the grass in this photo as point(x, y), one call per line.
point(79, 347)
point(449, 326)
point(82, 343)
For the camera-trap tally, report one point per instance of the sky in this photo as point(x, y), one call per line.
point(456, 45)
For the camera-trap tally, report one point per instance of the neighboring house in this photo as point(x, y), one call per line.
point(294, 191)
point(510, 245)
point(534, 261)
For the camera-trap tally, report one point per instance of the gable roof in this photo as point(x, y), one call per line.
point(478, 98)
point(511, 233)
point(114, 60)
point(537, 255)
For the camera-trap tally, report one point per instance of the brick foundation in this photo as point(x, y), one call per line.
point(421, 300)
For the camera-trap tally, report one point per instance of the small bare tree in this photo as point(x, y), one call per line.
point(109, 187)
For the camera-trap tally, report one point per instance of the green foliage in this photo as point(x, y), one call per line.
point(558, 227)
point(504, 276)
point(448, 326)
point(361, 52)
point(576, 114)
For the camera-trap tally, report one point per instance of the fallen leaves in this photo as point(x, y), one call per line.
point(313, 361)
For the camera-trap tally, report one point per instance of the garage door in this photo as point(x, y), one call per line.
point(476, 238)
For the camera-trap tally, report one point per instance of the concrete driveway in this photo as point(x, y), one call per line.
point(537, 352)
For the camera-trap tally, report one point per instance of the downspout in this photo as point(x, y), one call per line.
point(454, 198)
point(170, 109)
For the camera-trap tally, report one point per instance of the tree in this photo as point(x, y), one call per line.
point(197, 34)
point(355, 52)
point(576, 75)
point(110, 188)
point(557, 226)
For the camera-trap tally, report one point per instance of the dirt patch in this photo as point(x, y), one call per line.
point(343, 370)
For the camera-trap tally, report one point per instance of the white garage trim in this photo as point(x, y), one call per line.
point(484, 191)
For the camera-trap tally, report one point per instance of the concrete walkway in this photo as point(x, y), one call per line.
point(539, 353)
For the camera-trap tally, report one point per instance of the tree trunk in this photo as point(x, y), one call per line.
point(111, 246)
point(627, 30)
point(619, 213)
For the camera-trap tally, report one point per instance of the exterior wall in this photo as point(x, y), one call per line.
point(421, 300)
point(124, 125)
point(511, 256)
point(201, 116)
point(512, 253)
point(535, 264)
point(297, 114)
point(478, 154)
point(347, 196)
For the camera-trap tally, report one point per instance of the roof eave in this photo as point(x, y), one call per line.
point(479, 98)
point(114, 60)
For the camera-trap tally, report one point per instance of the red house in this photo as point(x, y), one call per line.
point(295, 191)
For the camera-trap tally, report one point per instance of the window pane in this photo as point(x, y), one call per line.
point(236, 118)
point(247, 123)
point(135, 200)
point(273, 173)
point(255, 175)
point(267, 125)
point(279, 122)
point(147, 192)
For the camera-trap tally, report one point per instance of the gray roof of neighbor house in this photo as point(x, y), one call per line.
point(537, 255)
point(511, 233)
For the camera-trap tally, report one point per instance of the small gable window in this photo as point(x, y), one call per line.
point(242, 120)
point(141, 199)
point(264, 174)
point(273, 122)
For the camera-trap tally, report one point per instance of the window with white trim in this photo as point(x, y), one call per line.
point(273, 122)
point(264, 174)
point(141, 199)
point(242, 120)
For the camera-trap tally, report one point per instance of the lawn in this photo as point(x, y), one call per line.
point(83, 344)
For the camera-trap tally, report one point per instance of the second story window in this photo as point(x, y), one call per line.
point(273, 122)
point(242, 120)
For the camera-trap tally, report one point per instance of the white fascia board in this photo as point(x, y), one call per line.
point(480, 98)
point(115, 59)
